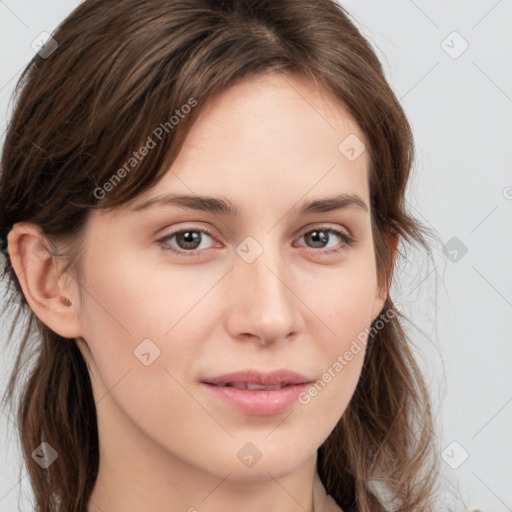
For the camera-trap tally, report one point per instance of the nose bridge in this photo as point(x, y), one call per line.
point(263, 303)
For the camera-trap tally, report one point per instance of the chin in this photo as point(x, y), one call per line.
point(262, 471)
point(259, 462)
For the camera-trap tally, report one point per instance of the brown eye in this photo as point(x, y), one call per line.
point(320, 238)
point(187, 241)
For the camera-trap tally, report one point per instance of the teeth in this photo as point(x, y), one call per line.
point(252, 387)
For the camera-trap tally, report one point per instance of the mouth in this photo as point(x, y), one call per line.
point(259, 380)
point(251, 386)
point(258, 393)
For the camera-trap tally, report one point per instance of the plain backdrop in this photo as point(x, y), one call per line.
point(450, 64)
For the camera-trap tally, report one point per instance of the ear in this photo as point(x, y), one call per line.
point(51, 297)
point(391, 239)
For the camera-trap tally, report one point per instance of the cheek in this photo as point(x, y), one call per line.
point(119, 311)
point(343, 300)
point(342, 354)
point(130, 310)
point(343, 309)
point(133, 329)
point(129, 297)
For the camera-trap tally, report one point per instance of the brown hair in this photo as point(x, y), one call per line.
point(121, 69)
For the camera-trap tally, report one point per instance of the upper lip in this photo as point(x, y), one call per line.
point(273, 378)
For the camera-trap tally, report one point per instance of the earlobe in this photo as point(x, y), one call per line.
point(45, 291)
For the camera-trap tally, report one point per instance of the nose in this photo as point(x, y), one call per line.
point(263, 304)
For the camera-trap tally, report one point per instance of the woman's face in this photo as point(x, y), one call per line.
point(270, 288)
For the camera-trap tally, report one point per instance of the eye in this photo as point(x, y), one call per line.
point(189, 241)
point(321, 238)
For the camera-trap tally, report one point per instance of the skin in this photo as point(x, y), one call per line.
point(268, 144)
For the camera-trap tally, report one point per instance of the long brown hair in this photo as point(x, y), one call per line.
point(121, 68)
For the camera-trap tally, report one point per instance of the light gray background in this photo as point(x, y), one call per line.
point(460, 107)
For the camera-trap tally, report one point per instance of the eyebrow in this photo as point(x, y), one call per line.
point(222, 206)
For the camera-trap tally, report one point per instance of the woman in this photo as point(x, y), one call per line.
point(201, 206)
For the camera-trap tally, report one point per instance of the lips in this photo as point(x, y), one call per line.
point(257, 393)
point(258, 380)
point(251, 386)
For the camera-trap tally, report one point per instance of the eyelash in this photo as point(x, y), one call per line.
point(349, 241)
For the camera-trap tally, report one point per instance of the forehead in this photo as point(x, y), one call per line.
point(269, 140)
point(277, 107)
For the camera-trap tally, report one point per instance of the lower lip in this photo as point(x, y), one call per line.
point(259, 402)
